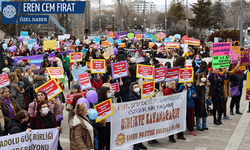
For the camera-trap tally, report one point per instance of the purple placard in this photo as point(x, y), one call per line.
point(117, 86)
point(83, 88)
point(244, 57)
point(157, 81)
point(123, 33)
point(172, 78)
point(123, 74)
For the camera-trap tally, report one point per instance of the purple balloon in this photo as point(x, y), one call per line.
point(115, 51)
point(136, 32)
point(143, 36)
point(92, 96)
point(36, 47)
point(20, 39)
point(146, 32)
point(11, 49)
point(83, 100)
point(14, 47)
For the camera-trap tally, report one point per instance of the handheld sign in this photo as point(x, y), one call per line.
point(159, 74)
point(222, 48)
point(186, 75)
point(144, 71)
point(115, 87)
point(104, 110)
point(75, 72)
point(84, 81)
point(75, 57)
point(55, 72)
point(119, 69)
point(98, 66)
point(147, 89)
point(191, 42)
point(4, 80)
point(221, 61)
point(244, 61)
point(32, 41)
point(70, 97)
point(173, 45)
point(105, 44)
point(51, 88)
point(248, 87)
point(51, 44)
point(88, 65)
point(96, 40)
point(24, 33)
point(172, 74)
point(138, 36)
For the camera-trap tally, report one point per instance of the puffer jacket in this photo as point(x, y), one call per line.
point(15, 127)
point(80, 138)
point(190, 93)
point(17, 92)
point(38, 81)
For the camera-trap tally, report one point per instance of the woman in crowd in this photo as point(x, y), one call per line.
point(57, 109)
point(203, 67)
point(95, 84)
point(19, 123)
point(6, 64)
point(66, 66)
point(9, 106)
point(169, 90)
point(236, 80)
point(196, 63)
point(40, 96)
point(28, 73)
point(90, 53)
point(217, 92)
point(82, 133)
point(58, 61)
point(45, 63)
point(39, 79)
point(34, 69)
point(200, 102)
point(191, 54)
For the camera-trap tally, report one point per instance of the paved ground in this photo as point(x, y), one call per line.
point(231, 135)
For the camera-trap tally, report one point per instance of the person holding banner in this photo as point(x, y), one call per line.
point(82, 131)
point(169, 90)
point(217, 92)
point(19, 123)
point(9, 106)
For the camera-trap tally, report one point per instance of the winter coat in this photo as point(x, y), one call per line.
point(66, 64)
point(38, 81)
point(32, 111)
point(95, 84)
point(190, 98)
point(71, 111)
point(18, 65)
point(168, 91)
point(17, 92)
point(27, 87)
point(80, 138)
point(200, 102)
point(213, 80)
point(226, 83)
point(29, 76)
point(6, 110)
point(59, 63)
point(57, 109)
point(36, 121)
point(126, 83)
point(235, 80)
point(2, 123)
point(133, 96)
point(15, 127)
point(1, 131)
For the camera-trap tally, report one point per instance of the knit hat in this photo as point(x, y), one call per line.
point(76, 86)
point(27, 68)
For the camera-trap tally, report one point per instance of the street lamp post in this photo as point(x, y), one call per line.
point(218, 24)
point(144, 23)
point(122, 25)
point(100, 25)
point(135, 22)
point(194, 15)
point(113, 15)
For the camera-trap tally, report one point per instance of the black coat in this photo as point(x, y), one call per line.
point(200, 102)
point(126, 83)
point(237, 79)
point(15, 127)
point(133, 96)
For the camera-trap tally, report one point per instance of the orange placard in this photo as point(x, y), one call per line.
point(138, 36)
point(111, 35)
point(105, 44)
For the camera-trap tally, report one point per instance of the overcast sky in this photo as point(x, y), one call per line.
point(157, 2)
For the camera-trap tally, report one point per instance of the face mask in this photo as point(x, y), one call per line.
point(113, 56)
point(201, 52)
point(87, 112)
point(200, 47)
point(197, 58)
point(46, 74)
point(90, 77)
point(25, 123)
point(203, 79)
point(150, 62)
point(45, 110)
point(189, 85)
point(137, 90)
point(174, 59)
point(109, 95)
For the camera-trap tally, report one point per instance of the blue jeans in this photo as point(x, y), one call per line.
point(204, 123)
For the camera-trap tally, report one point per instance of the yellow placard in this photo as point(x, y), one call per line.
point(236, 49)
point(137, 71)
point(102, 103)
point(192, 73)
point(153, 83)
point(51, 44)
point(247, 98)
point(78, 60)
point(92, 67)
point(243, 68)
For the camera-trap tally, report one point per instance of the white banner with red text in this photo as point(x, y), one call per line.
point(147, 119)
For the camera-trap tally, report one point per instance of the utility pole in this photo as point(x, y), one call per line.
point(122, 14)
point(100, 20)
point(144, 14)
point(166, 21)
point(241, 23)
point(187, 17)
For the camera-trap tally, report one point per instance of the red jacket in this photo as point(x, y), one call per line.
point(168, 91)
point(95, 84)
point(36, 121)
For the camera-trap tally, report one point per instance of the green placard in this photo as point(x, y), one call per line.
point(155, 37)
point(130, 35)
point(221, 61)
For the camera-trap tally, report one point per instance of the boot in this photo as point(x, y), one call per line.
point(231, 111)
point(219, 120)
point(238, 111)
point(215, 121)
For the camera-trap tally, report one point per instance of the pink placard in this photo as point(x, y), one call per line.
point(222, 48)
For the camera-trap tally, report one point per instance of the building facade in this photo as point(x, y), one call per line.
point(138, 7)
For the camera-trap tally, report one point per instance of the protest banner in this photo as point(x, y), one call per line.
point(32, 41)
point(173, 45)
point(162, 49)
point(221, 61)
point(109, 51)
point(51, 44)
point(110, 40)
point(191, 42)
point(84, 81)
point(138, 36)
point(234, 58)
point(147, 89)
point(119, 42)
point(96, 40)
point(72, 47)
point(244, 57)
point(104, 110)
point(61, 37)
point(46, 139)
point(222, 48)
point(4, 80)
point(67, 43)
point(119, 69)
point(144, 71)
point(111, 35)
point(51, 88)
point(98, 66)
point(75, 72)
point(123, 33)
point(67, 36)
point(55, 72)
point(24, 33)
point(88, 65)
point(147, 119)
point(70, 97)
point(248, 87)
point(105, 44)
point(167, 40)
point(148, 36)
point(115, 87)
point(236, 49)
point(186, 75)
point(159, 74)
point(75, 57)
point(172, 74)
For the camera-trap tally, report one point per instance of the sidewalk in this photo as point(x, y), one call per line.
point(231, 135)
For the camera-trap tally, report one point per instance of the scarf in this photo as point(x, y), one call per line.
point(12, 113)
point(196, 63)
